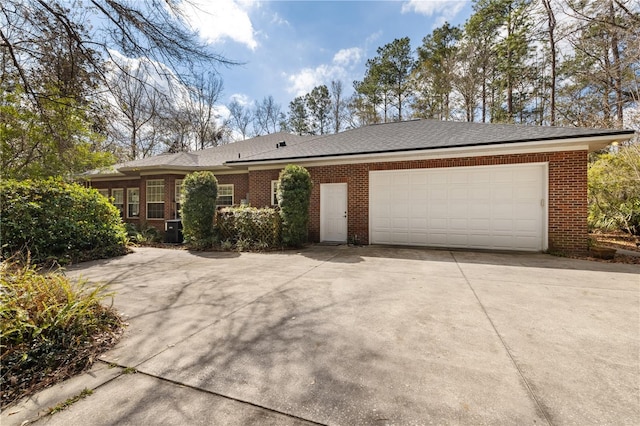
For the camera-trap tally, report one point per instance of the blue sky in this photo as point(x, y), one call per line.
point(288, 47)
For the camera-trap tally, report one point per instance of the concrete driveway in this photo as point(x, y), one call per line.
point(361, 335)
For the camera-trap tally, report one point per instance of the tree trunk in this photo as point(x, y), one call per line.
point(617, 66)
point(552, 46)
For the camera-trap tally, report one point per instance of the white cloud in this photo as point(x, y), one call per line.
point(344, 61)
point(241, 98)
point(279, 20)
point(345, 57)
point(447, 9)
point(222, 19)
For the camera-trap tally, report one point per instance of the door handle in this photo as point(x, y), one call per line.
point(345, 214)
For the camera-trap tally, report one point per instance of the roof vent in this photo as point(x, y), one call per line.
point(238, 155)
point(282, 143)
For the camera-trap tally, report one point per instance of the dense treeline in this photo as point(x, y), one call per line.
point(69, 101)
point(539, 62)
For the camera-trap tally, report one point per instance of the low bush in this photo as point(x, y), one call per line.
point(143, 234)
point(294, 195)
point(50, 328)
point(58, 222)
point(249, 228)
point(199, 193)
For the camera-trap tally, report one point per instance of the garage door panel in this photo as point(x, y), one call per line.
point(523, 226)
point(419, 239)
point(480, 223)
point(438, 224)
point(458, 193)
point(458, 240)
point(501, 192)
point(495, 207)
point(457, 225)
point(419, 224)
point(437, 194)
point(436, 240)
point(457, 177)
point(478, 177)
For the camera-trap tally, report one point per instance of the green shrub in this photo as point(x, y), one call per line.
point(250, 228)
point(614, 191)
point(50, 328)
point(199, 193)
point(143, 234)
point(58, 221)
point(294, 194)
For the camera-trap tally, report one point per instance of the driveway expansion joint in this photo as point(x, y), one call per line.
point(228, 397)
point(504, 344)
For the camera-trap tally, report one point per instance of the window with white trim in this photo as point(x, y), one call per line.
point(178, 197)
point(225, 195)
point(118, 199)
point(155, 199)
point(104, 192)
point(274, 192)
point(133, 202)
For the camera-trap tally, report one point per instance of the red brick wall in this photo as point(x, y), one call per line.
point(240, 185)
point(260, 187)
point(568, 231)
point(124, 184)
point(567, 227)
point(240, 189)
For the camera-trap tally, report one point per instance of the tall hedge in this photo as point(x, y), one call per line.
point(199, 193)
point(250, 227)
point(58, 221)
point(294, 194)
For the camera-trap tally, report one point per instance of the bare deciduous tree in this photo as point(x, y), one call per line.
point(267, 116)
point(239, 118)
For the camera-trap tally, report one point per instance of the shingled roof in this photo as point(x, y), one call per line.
point(407, 136)
point(209, 158)
point(397, 137)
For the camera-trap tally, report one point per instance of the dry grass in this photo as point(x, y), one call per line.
point(51, 328)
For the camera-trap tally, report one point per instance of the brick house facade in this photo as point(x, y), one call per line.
point(567, 192)
point(563, 157)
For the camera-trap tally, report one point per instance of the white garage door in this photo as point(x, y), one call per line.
point(491, 207)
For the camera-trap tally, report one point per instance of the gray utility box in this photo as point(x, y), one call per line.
point(173, 231)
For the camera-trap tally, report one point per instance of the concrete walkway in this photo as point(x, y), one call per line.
point(360, 335)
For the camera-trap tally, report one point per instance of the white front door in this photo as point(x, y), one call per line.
point(333, 212)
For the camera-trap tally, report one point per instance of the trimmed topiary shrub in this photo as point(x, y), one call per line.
point(294, 194)
point(199, 193)
point(58, 222)
point(249, 227)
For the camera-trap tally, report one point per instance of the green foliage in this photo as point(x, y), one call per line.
point(142, 234)
point(387, 78)
point(437, 53)
point(299, 117)
point(250, 228)
point(58, 221)
point(614, 191)
point(294, 194)
point(50, 328)
point(199, 193)
point(55, 140)
point(318, 103)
